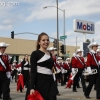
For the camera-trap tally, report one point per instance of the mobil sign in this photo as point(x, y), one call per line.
point(83, 26)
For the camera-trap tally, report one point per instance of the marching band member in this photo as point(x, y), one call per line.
point(63, 71)
point(92, 65)
point(14, 70)
point(52, 50)
point(97, 85)
point(25, 70)
point(67, 69)
point(78, 66)
point(41, 70)
point(59, 70)
point(4, 71)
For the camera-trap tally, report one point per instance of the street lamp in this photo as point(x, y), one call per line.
point(57, 26)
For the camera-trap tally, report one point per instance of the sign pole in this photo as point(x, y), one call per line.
point(84, 37)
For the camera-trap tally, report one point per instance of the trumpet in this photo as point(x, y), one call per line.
point(73, 75)
point(94, 71)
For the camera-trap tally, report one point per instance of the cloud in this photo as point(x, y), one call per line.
point(29, 10)
point(5, 27)
point(72, 8)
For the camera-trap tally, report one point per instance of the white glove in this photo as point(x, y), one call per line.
point(73, 70)
point(62, 70)
point(99, 62)
point(8, 74)
point(54, 77)
point(66, 71)
point(58, 70)
point(89, 70)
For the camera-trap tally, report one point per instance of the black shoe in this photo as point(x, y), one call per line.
point(87, 96)
point(20, 90)
point(1, 98)
point(78, 87)
point(10, 98)
point(74, 90)
point(58, 94)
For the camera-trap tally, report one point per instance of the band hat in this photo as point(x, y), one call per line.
point(52, 48)
point(98, 50)
point(59, 58)
point(3, 44)
point(79, 50)
point(93, 44)
point(14, 61)
point(67, 58)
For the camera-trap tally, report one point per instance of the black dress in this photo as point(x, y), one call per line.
point(25, 72)
point(41, 79)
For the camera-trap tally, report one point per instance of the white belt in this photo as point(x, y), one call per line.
point(44, 70)
point(25, 68)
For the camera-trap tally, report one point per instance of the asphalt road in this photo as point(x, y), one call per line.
point(66, 94)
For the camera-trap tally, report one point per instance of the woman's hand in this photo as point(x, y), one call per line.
point(31, 91)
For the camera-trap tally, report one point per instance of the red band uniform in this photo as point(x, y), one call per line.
point(79, 64)
point(4, 71)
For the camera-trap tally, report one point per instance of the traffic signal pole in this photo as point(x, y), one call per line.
point(57, 31)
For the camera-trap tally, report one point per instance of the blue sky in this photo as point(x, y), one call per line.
point(29, 16)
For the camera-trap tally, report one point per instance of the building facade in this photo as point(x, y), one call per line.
point(18, 48)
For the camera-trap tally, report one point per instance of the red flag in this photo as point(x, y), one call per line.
point(35, 96)
point(70, 82)
point(20, 82)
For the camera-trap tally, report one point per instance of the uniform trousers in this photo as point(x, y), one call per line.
point(4, 84)
point(14, 73)
point(76, 78)
point(98, 86)
point(92, 81)
point(66, 76)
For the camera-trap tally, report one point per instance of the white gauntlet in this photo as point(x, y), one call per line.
point(73, 70)
point(8, 74)
point(89, 70)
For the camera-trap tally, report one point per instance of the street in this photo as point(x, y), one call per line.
point(66, 94)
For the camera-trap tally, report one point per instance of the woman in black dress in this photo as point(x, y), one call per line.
point(25, 70)
point(41, 70)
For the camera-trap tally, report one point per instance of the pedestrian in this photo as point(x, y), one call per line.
point(4, 71)
point(92, 65)
point(41, 70)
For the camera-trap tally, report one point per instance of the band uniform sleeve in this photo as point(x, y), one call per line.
point(88, 62)
point(33, 66)
point(8, 65)
point(73, 63)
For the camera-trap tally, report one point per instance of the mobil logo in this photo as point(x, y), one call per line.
point(85, 26)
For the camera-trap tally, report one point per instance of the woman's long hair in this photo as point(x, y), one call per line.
point(39, 38)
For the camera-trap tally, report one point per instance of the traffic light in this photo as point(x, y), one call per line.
point(12, 34)
point(55, 43)
point(85, 48)
point(62, 49)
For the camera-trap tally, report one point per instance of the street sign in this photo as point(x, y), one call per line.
point(63, 37)
point(67, 55)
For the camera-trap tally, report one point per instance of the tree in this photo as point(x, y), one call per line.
point(88, 40)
